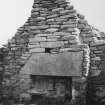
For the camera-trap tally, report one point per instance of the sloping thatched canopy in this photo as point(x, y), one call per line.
point(62, 64)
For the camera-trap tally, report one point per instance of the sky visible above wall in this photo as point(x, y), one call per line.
point(14, 13)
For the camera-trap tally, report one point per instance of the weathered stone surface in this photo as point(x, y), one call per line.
point(52, 16)
point(34, 45)
point(52, 44)
point(57, 9)
point(51, 39)
point(69, 37)
point(40, 18)
point(37, 39)
point(58, 19)
point(39, 27)
point(60, 33)
point(37, 50)
point(51, 30)
point(54, 27)
point(57, 64)
point(50, 20)
point(44, 35)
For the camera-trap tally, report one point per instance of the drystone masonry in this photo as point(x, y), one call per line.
point(53, 27)
point(96, 81)
point(1, 71)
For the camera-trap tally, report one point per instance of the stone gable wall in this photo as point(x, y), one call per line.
point(96, 82)
point(53, 27)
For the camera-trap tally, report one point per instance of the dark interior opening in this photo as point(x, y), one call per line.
point(48, 50)
point(50, 100)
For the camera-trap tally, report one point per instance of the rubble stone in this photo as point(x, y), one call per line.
point(54, 25)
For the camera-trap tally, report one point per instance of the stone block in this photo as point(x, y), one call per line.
point(58, 19)
point(37, 50)
point(69, 26)
point(69, 37)
point(35, 13)
point(54, 26)
point(37, 39)
point(43, 14)
point(74, 41)
point(39, 27)
point(96, 58)
point(37, 31)
point(64, 11)
point(70, 30)
point(51, 39)
point(26, 54)
point(69, 22)
point(1, 68)
point(51, 30)
point(44, 34)
point(52, 36)
point(52, 44)
point(70, 7)
point(24, 58)
point(81, 26)
point(81, 16)
point(52, 16)
point(50, 20)
point(66, 49)
point(61, 34)
point(68, 16)
point(95, 73)
point(57, 9)
point(54, 23)
point(34, 45)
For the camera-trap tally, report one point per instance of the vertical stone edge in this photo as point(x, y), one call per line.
point(79, 84)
